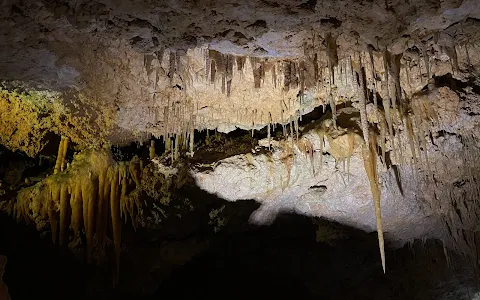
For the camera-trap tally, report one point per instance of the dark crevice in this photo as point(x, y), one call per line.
point(456, 85)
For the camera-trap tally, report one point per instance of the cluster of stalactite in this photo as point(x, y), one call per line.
point(364, 78)
point(398, 128)
point(89, 197)
point(329, 77)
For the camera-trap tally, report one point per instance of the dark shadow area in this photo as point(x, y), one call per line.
point(36, 268)
point(455, 84)
point(204, 247)
point(295, 258)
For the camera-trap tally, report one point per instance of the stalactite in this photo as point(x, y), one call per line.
point(64, 154)
point(302, 79)
point(152, 149)
point(321, 135)
point(240, 63)
point(268, 135)
point(229, 72)
point(286, 76)
point(411, 139)
point(177, 141)
point(274, 76)
point(386, 100)
point(257, 72)
point(423, 141)
point(172, 66)
point(362, 103)
point(115, 215)
point(184, 137)
point(223, 83)
point(123, 171)
point(102, 209)
point(92, 193)
point(55, 198)
point(295, 122)
point(469, 63)
point(369, 159)
point(351, 147)
point(172, 151)
point(427, 63)
point(394, 69)
point(383, 135)
point(452, 53)
point(372, 65)
point(422, 144)
point(291, 128)
point(92, 178)
point(60, 157)
point(333, 106)
point(393, 96)
point(331, 43)
point(192, 138)
point(168, 141)
point(262, 71)
point(76, 205)
point(63, 212)
point(207, 64)
point(213, 72)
